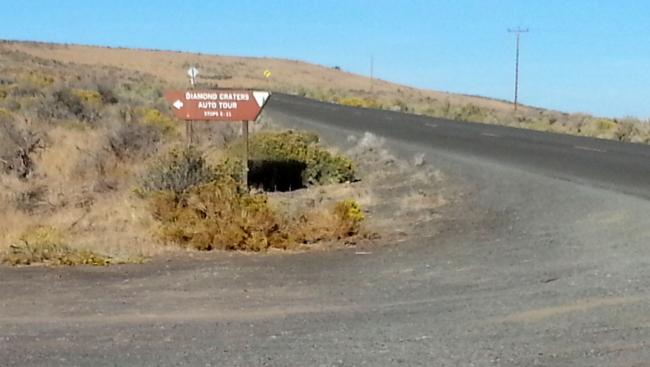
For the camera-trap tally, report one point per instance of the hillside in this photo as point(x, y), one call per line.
point(95, 170)
point(242, 72)
point(333, 85)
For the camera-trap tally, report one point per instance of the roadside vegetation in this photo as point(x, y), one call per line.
point(330, 84)
point(627, 129)
point(46, 245)
point(206, 207)
point(93, 170)
point(316, 165)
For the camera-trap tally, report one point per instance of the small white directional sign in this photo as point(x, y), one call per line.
point(178, 104)
point(193, 72)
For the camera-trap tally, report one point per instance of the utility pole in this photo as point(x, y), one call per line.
point(517, 31)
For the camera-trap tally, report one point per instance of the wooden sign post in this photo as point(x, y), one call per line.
point(192, 72)
point(220, 105)
point(244, 130)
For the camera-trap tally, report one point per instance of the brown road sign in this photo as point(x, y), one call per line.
point(217, 105)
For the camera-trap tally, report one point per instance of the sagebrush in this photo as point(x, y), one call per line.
point(211, 209)
point(321, 166)
point(179, 171)
point(46, 245)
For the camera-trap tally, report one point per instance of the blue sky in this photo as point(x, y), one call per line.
point(580, 56)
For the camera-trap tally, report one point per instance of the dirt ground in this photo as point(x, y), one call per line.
point(489, 279)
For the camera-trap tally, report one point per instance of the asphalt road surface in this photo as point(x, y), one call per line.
point(604, 163)
point(546, 263)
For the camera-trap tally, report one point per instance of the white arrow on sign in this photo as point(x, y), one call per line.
point(261, 97)
point(178, 104)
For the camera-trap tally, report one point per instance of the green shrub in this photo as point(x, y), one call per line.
point(66, 101)
point(322, 167)
point(31, 84)
point(206, 207)
point(141, 90)
point(154, 117)
point(360, 102)
point(39, 79)
point(179, 171)
point(17, 146)
point(219, 215)
point(349, 216)
point(47, 245)
point(107, 94)
point(134, 140)
point(88, 97)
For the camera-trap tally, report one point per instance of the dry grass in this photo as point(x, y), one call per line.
point(341, 222)
point(83, 135)
point(413, 192)
point(47, 245)
point(116, 224)
point(246, 72)
point(65, 173)
point(206, 207)
point(119, 225)
point(328, 84)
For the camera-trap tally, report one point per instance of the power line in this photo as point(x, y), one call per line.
point(517, 31)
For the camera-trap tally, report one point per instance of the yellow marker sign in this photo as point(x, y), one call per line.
point(267, 74)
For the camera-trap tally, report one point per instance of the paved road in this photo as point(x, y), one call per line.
point(609, 164)
point(530, 270)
